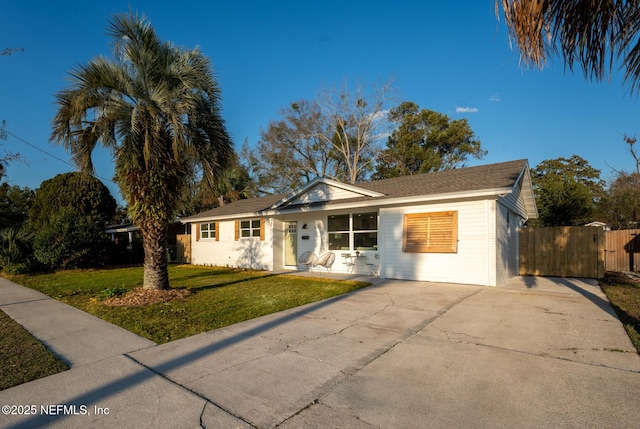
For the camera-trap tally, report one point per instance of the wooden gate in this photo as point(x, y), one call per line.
point(622, 250)
point(563, 251)
point(183, 248)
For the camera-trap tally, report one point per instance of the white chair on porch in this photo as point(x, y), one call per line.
point(308, 258)
point(325, 261)
point(372, 267)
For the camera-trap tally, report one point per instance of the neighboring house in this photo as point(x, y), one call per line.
point(122, 231)
point(457, 226)
point(599, 224)
point(129, 232)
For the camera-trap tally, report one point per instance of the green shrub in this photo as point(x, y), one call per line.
point(15, 246)
point(70, 240)
point(111, 292)
point(17, 268)
point(85, 195)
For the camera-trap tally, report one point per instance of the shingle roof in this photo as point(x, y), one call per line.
point(251, 205)
point(486, 177)
point(492, 176)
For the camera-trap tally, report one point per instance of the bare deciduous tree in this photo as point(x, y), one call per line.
point(292, 151)
point(335, 136)
point(359, 120)
point(631, 141)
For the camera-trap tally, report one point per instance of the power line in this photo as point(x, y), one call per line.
point(37, 148)
point(49, 154)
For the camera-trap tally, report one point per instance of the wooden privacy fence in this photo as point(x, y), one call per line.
point(183, 248)
point(563, 251)
point(622, 250)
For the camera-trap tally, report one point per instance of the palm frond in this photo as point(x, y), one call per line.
point(591, 34)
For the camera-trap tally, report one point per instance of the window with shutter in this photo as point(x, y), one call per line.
point(252, 228)
point(207, 230)
point(435, 232)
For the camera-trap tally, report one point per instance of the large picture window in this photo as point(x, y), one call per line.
point(435, 232)
point(358, 231)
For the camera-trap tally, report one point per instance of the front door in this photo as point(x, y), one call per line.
point(291, 243)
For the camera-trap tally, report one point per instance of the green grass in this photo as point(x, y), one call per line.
point(624, 295)
point(219, 297)
point(22, 357)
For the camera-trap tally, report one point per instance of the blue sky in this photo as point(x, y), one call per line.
point(453, 57)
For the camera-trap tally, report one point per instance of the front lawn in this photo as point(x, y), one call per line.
point(624, 294)
point(22, 357)
point(217, 297)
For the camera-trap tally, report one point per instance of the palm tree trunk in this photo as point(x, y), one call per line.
point(154, 241)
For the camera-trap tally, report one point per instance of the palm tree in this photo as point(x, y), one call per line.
point(156, 107)
point(592, 34)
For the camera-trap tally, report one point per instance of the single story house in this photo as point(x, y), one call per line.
point(458, 226)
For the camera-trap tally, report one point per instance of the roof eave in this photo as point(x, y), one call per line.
point(529, 197)
point(413, 200)
point(198, 219)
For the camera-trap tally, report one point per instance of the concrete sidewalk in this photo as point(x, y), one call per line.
point(77, 337)
point(537, 352)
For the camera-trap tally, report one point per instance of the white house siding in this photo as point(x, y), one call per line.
point(515, 200)
point(278, 244)
point(268, 254)
point(492, 244)
point(324, 192)
point(511, 207)
point(472, 264)
point(243, 253)
point(514, 247)
point(507, 244)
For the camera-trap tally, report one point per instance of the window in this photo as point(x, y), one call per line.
point(253, 228)
point(338, 226)
point(358, 231)
point(208, 230)
point(250, 228)
point(435, 232)
point(365, 231)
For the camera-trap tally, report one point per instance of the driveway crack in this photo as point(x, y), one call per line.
point(207, 401)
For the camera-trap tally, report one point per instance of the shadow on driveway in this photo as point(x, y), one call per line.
point(98, 395)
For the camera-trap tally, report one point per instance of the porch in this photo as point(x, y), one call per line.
point(349, 239)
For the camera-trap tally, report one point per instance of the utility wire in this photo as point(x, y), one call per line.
point(49, 154)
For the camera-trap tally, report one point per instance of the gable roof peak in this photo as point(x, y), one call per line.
point(318, 181)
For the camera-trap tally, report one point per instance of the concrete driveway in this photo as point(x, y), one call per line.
point(537, 352)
